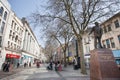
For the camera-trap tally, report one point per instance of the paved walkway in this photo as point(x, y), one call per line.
point(13, 71)
point(43, 74)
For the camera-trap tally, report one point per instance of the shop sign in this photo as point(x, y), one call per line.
point(12, 56)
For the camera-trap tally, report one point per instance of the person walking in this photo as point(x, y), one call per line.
point(4, 66)
point(7, 67)
point(18, 64)
point(75, 64)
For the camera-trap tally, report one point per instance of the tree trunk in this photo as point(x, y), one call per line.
point(82, 60)
point(65, 64)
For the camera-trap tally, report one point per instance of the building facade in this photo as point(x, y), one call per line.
point(111, 35)
point(110, 38)
point(4, 18)
point(18, 43)
point(30, 46)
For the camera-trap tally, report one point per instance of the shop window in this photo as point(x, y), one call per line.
point(109, 27)
point(108, 43)
point(2, 27)
point(119, 38)
point(5, 15)
point(116, 24)
point(112, 43)
point(1, 11)
point(0, 41)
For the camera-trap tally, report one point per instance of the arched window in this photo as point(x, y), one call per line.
point(5, 15)
point(1, 11)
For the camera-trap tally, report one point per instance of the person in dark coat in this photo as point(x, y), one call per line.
point(4, 66)
point(18, 64)
point(7, 66)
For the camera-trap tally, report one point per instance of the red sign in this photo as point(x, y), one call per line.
point(12, 56)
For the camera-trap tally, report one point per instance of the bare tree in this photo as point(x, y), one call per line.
point(62, 35)
point(78, 14)
point(50, 48)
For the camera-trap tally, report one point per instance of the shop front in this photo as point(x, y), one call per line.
point(12, 58)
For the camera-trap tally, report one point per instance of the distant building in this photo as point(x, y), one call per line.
point(30, 47)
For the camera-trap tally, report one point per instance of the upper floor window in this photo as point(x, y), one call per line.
point(5, 15)
point(105, 29)
point(2, 27)
point(12, 24)
point(119, 38)
point(108, 43)
point(109, 27)
point(8, 44)
point(112, 43)
point(116, 24)
point(15, 26)
point(0, 41)
point(1, 11)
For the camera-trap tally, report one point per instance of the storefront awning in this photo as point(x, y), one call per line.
point(12, 56)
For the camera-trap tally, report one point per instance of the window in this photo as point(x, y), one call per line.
point(12, 24)
point(0, 41)
point(8, 44)
point(112, 43)
point(116, 24)
point(105, 29)
point(2, 27)
point(15, 26)
point(16, 38)
point(5, 15)
point(108, 43)
point(119, 38)
point(109, 27)
point(0, 21)
point(1, 11)
point(11, 45)
point(15, 46)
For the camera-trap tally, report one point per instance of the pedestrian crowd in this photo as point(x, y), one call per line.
point(56, 65)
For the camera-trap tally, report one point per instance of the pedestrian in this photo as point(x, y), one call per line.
point(4, 66)
point(38, 64)
point(18, 64)
point(75, 64)
point(7, 67)
point(56, 66)
point(59, 66)
point(51, 65)
point(29, 64)
point(25, 64)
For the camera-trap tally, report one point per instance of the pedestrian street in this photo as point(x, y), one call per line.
point(43, 74)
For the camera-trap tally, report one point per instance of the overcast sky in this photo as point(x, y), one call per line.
point(23, 8)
